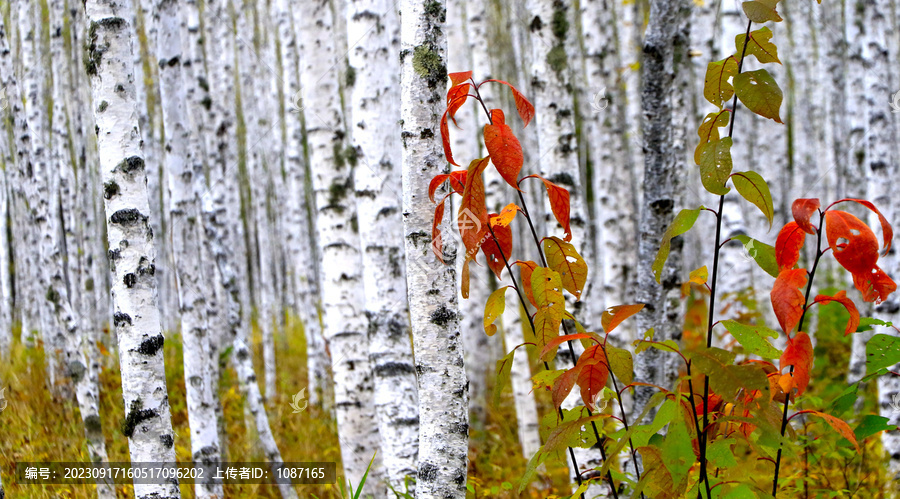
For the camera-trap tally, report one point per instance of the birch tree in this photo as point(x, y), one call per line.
point(373, 35)
point(109, 60)
point(339, 247)
point(434, 313)
point(184, 172)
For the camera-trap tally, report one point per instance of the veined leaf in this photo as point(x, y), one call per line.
point(788, 244)
point(799, 353)
point(887, 231)
point(506, 216)
point(473, 216)
point(456, 97)
point(504, 370)
point(504, 148)
point(563, 258)
point(549, 350)
point(564, 384)
point(495, 251)
point(716, 87)
point(457, 182)
point(493, 309)
point(760, 93)
point(802, 209)
point(882, 351)
point(754, 188)
point(759, 46)
point(753, 339)
point(725, 378)
point(523, 106)
point(547, 287)
point(841, 297)
point(761, 11)
point(593, 375)
point(709, 129)
point(559, 204)
point(762, 253)
point(787, 299)
point(621, 363)
point(680, 224)
point(613, 316)
point(525, 269)
point(715, 165)
point(838, 424)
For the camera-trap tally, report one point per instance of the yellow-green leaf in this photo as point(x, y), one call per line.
point(493, 309)
point(563, 258)
point(753, 339)
point(759, 46)
point(709, 129)
point(546, 285)
point(504, 370)
point(760, 11)
point(754, 188)
point(699, 276)
point(620, 363)
point(682, 223)
point(715, 165)
point(716, 87)
point(760, 93)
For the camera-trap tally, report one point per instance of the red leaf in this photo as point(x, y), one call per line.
point(853, 243)
point(803, 210)
point(799, 353)
point(464, 281)
point(613, 316)
point(593, 375)
point(457, 182)
point(886, 230)
point(437, 245)
point(472, 219)
point(459, 77)
point(714, 401)
point(526, 268)
point(523, 106)
point(874, 285)
point(841, 297)
point(559, 340)
point(492, 252)
point(456, 97)
point(445, 139)
point(504, 148)
point(787, 299)
point(563, 385)
point(559, 203)
point(787, 246)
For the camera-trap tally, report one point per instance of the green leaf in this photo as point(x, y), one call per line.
point(709, 129)
point(563, 258)
point(760, 45)
point(620, 363)
point(715, 165)
point(664, 346)
point(742, 491)
point(872, 424)
point(666, 413)
point(716, 87)
point(504, 370)
point(680, 224)
point(882, 351)
point(760, 93)
point(845, 400)
point(725, 378)
point(720, 453)
point(493, 309)
point(677, 451)
point(544, 379)
point(753, 339)
point(754, 188)
point(866, 323)
point(762, 254)
point(760, 11)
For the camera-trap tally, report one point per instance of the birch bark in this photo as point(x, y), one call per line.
point(434, 311)
point(338, 241)
point(109, 60)
point(373, 34)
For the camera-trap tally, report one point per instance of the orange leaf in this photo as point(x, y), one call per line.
point(787, 299)
point(506, 216)
point(563, 385)
point(559, 204)
point(473, 216)
point(445, 139)
point(553, 344)
point(841, 297)
point(456, 97)
point(526, 268)
point(854, 244)
point(459, 77)
point(464, 280)
point(523, 106)
point(593, 375)
point(799, 353)
point(437, 245)
point(613, 316)
point(493, 252)
point(504, 148)
point(874, 285)
point(802, 210)
point(838, 424)
point(457, 182)
point(787, 246)
point(886, 230)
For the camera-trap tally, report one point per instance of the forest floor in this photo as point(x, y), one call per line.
point(35, 427)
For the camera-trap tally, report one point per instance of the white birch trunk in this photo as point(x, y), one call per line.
point(338, 241)
point(443, 391)
point(373, 33)
point(110, 57)
point(183, 171)
point(8, 167)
